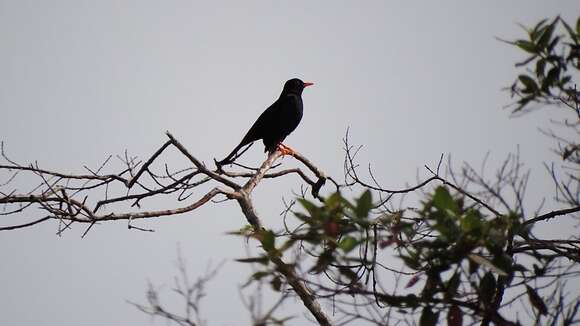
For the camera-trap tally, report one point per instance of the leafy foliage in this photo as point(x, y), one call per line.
point(460, 256)
point(466, 255)
point(552, 58)
point(464, 258)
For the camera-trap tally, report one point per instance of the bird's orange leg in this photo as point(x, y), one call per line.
point(285, 150)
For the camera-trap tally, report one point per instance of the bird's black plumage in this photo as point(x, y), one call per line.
point(276, 122)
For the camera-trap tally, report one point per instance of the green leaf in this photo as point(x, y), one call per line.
point(530, 85)
point(487, 288)
point(523, 102)
point(553, 76)
point(347, 243)
point(260, 260)
point(546, 35)
point(259, 275)
point(276, 283)
point(391, 219)
point(312, 209)
point(443, 201)
point(428, 317)
point(565, 80)
point(536, 300)
point(503, 262)
point(535, 32)
point(496, 239)
point(540, 67)
point(452, 286)
point(553, 44)
point(312, 237)
point(411, 262)
point(473, 267)
point(578, 26)
point(287, 245)
point(472, 222)
point(411, 301)
point(519, 268)
point(333, 200)
point(396, 301)
point(267, 238)
point(573, 35)
point(432, 285)
point(526, 46)
point(247, 231)
point(482, 261)
point(454, 316)
point(364, 204)
point(277, 321)
point(323, 261)
point(349, 273)
point(406, 228)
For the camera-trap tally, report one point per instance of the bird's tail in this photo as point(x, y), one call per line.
point(234, 154)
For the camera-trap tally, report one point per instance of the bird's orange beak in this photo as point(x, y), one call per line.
point(308, 84)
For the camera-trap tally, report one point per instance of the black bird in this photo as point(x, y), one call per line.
point(275, 123)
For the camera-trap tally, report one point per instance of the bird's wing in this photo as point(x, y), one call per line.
point(261, 126)
point(282, 118)
point(290, 114)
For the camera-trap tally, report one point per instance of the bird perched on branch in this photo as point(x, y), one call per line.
point(275, 123)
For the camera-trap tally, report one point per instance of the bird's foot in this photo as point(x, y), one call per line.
point(285, 150)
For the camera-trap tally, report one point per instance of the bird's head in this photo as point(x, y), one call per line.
point(295, 86)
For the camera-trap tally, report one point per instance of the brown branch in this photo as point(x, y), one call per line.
point(201, 166)
point(167, 212)
point(315, 185)
point(272, 175)
point(317, 172)
point(65, 176)
point(243, 198)
point(145, 166)
point(54, 197)
point(14, 227)
point(552, 214)
point(350, 171)
point(43, 199)
point(138, 197)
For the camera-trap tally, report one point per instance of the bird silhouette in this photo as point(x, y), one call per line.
point(275, 123)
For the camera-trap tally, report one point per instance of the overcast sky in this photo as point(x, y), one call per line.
point(80, 80)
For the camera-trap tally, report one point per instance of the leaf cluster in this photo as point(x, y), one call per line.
point(552, 60)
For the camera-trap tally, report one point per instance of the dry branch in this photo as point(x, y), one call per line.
point(67, 197)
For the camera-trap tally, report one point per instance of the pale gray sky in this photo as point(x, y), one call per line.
point(80, 80)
